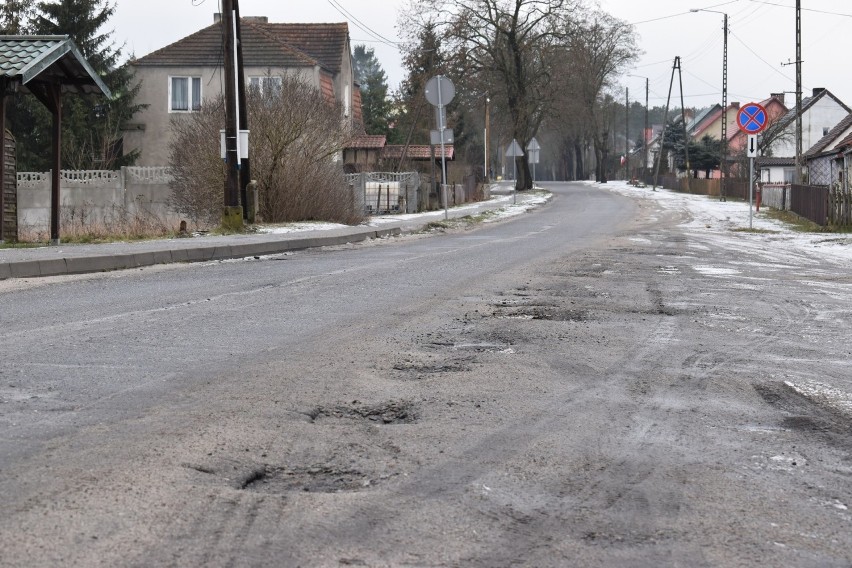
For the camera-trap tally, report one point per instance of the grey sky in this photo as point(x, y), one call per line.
point(762, 36)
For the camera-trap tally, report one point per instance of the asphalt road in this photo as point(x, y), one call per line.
point(591, 384)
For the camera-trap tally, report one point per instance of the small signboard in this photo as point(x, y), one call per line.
point(435, 136)
point(440, 91)
point(751, 146)
point(514, 150)
point(752, 118)
point(533, 151)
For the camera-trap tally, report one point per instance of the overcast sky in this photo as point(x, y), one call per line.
point(762, 36)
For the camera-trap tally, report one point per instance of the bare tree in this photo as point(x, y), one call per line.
point(506, 49)
point(296, 139)
point(598, 49)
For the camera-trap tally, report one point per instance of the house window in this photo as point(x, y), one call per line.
point(789, 174)
point(184, 94)
point(270, 85)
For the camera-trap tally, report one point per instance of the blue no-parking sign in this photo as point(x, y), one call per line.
point(752, 118)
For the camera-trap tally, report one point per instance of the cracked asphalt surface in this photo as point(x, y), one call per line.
point(593, 384)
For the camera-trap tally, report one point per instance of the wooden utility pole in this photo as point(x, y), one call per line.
point(665, 122)
point(232, 216)
point(245, 165)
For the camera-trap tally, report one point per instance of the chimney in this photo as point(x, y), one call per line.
point(818, 90)
point(779, 96)
point(735, 104)
point(217, 19)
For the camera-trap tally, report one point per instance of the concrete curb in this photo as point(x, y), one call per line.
point(106, 263)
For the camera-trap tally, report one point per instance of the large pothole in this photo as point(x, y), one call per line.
point(314, 479)
point(392, 412)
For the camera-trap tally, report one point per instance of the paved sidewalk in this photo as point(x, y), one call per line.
point(80, 259)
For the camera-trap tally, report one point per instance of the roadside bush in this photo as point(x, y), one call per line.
point(295, 142)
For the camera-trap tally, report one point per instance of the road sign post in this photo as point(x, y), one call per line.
point(440, 92)
point(515, 152)
point(752, 119)
point(533, 150)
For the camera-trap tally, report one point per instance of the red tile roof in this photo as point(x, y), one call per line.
point(368, 141)
point(272, 45)
point(417, 152)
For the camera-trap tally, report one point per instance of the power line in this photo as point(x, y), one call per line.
point(681, 13)
point(362, 26)
point(830, 13)
point(759, 57)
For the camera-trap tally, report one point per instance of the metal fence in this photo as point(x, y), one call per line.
point(385, 192)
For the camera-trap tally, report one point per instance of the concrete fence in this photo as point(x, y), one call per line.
point(97, 196)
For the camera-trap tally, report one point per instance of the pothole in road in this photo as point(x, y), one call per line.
point(316, 479)
point(393, 412)
point(545, 313)
point(419, 371)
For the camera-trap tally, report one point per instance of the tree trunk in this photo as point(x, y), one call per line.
point(579, 162)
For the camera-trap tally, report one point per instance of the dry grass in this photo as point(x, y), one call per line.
point(78, 224)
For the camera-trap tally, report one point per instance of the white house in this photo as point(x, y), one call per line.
point(820, 114)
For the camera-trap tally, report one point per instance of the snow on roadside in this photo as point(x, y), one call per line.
point(729, 220)
point(508, 209)
point(298, 227)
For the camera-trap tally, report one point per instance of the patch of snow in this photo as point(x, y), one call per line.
point(826, 395)
point(298, 227)
point(716, 271)
point(728, 221)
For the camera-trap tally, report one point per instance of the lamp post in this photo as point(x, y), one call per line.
point(645, 132)
point(723, 143)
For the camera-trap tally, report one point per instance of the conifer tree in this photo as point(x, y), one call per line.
point(92, 125)
point(375, 105)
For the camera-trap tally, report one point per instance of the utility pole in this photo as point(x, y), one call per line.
point(232, 215)
point(798, 174)
point(245, 166)
point(677, 68)
point(627, 134)
point(723, 148)
point(723, 143)
point(683, 120)
point(665, 122)
point(645, 134)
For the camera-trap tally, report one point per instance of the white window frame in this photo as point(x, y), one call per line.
point(261, 82)
point(191, 79)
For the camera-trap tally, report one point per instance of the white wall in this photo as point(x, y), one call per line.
point(825, 113)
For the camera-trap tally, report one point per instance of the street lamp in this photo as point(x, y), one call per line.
point(645, 133)
point(723, 146)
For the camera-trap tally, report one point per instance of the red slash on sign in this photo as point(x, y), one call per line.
point(752, 118)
